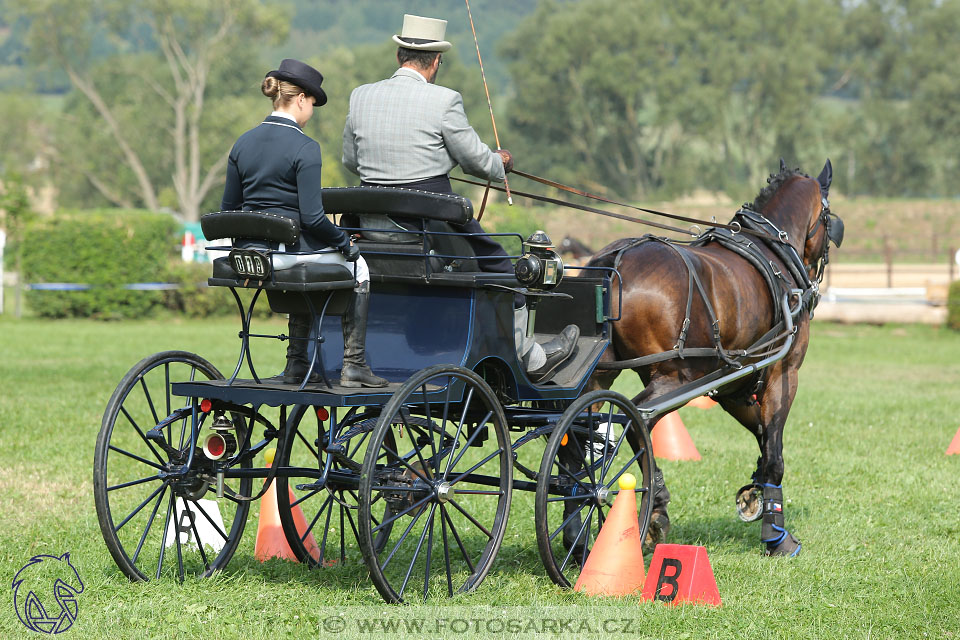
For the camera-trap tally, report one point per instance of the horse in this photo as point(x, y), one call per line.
point(734, 311)
point(572, 247)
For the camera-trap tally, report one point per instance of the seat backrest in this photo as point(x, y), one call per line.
point(398, 202)
point(251, 225)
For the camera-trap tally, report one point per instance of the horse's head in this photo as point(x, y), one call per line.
point(800, 206)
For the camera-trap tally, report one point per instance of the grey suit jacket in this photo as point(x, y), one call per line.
point(405, 129)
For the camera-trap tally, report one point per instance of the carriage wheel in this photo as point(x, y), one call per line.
point(196, 533)
point(447, 486)
point(584, 458)
point(327, 528)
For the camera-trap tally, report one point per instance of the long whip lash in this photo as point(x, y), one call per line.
point(493, 121)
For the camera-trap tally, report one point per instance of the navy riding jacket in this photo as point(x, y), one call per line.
point(275, 167)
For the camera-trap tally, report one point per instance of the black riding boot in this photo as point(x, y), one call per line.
point(298, 359)
point(355, 371)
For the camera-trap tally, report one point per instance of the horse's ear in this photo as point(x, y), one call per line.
point(826, 176)
point(783, 166)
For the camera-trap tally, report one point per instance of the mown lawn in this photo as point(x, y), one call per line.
point(869, 492)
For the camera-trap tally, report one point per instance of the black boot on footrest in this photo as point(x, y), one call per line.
point(557, 351)
point(298, 359)
point(355, 371)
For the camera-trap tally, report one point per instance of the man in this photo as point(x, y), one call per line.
point(407, 131)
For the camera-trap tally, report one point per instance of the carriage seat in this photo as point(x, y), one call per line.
point(390, 248)
point(269, 227)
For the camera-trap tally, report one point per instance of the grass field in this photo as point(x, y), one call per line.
point(869, 492)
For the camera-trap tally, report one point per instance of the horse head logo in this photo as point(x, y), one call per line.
point(45, 593)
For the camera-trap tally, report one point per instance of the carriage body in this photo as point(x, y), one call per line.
point(434, 453)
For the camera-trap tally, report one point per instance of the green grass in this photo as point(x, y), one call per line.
point(869, 492)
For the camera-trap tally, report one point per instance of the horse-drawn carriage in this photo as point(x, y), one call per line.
point(419, 473)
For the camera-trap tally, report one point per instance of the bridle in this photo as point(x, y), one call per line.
point(833, 230)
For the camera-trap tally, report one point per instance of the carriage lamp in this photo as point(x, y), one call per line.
point(540, 267)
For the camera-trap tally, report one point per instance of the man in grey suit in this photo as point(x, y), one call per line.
point(407, 131)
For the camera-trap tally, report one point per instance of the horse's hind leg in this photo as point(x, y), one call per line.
point(659, 518)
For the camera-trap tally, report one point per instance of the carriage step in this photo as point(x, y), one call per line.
point(314, 486)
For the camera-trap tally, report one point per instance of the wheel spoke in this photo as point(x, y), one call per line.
point(573, 545)
point(143, 436)
point(406, 464)
point(124, 485)
point(446, 552)
point(163, 541)
point(140, 506)
point(153, 514)
point(463, 417)
point(456, 536)
point(416, 447)
point(136, 457)
point(476, 466)
point(467, 444)
point(475, 522)
point(403, 537)
point(579, 449)
point(146, 392)
point(567, 521)
point(305, 497)
point(426, 404)
point(196, 536)
point(313, 522)
point(416, 505)
point(416, 552)
point(633, 459)
point(616, 450)
point(308, 445)
point(326, 530)
point(213, 524)
point(176, 537)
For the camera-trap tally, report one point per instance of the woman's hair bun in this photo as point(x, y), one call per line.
point(270, 87)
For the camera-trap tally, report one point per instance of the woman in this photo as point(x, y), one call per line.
point(275, 167)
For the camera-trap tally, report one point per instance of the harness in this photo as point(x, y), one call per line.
point(779, 281)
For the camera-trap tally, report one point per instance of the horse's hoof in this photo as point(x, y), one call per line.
point(789, 547)
point(657, 531)
point(750, 502)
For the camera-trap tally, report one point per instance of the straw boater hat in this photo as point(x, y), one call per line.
point(423, 34)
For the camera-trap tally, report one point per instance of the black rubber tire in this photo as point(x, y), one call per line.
point(124, 461)
point(579, 461)
point(431, 473)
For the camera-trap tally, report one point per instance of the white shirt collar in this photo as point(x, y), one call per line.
point(283, 114)
point(411, 73)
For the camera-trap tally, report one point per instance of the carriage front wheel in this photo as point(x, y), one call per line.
point(598, 438)
point(156, 519)
point(440, 459)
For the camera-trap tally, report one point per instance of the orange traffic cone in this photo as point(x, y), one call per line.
point(271, 543)
point(702, 402)
point(615, 564)
point(671, 440)
point(955, 445)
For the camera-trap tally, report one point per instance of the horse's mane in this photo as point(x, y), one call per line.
point(775, 181)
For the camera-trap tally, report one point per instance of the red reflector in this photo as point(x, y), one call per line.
point(206, 405)
point(216, 446)
point(322, 413)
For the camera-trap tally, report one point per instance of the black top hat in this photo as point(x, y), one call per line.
point(302, 75)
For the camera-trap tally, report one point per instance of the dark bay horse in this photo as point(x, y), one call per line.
point(655, 303)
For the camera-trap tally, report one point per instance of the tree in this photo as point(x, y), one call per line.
point(166, 51)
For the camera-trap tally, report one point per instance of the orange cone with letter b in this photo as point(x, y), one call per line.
point(271, 542)
point(615, 564)
point(671, 440)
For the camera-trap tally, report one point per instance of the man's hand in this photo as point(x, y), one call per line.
point(351, 252)
point(507, 158)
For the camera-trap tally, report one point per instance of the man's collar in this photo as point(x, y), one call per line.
point(407, 72)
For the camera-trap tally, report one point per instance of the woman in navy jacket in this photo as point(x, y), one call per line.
point(276, 167)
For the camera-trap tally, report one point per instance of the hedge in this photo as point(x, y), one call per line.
point(194, 299)
point(105, 249)
point(953, 306)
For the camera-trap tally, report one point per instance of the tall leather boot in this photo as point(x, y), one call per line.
point(298, 358)
point(355, 371)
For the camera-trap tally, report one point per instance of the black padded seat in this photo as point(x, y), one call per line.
point(255, 225)
point(398, 202)
point(304, 276)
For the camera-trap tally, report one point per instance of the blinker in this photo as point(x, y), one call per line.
point(835, 229)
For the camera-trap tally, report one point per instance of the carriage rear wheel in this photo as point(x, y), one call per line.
point(440, 459)
point(320, 519)
point(583, 461)
point(136, 479)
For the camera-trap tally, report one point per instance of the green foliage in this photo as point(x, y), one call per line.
point(953, 306)
point(194, 299)
point(106, 249)
point(501, 218)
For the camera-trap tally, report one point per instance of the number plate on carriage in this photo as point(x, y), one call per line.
point(250, 263)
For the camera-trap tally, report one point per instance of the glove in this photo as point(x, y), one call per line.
point(350, 252)
point(507, 158)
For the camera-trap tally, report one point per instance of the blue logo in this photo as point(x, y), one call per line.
point(45, 593)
